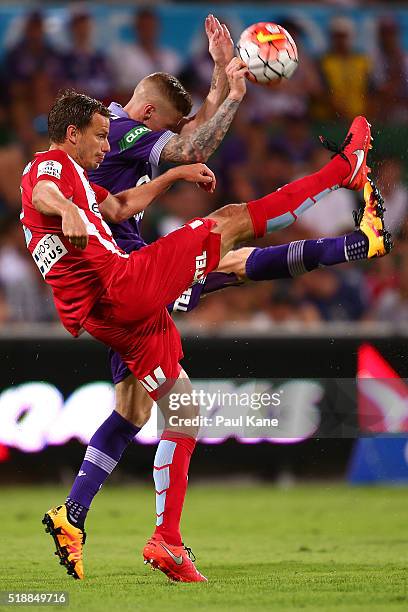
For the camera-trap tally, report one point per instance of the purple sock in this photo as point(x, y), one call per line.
point(295, 258)
point(102, 454)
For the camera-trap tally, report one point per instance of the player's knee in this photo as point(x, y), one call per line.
point(234, 220)
point(187, 411)
point(229, 212)
point(142, 413)
point(136, 413)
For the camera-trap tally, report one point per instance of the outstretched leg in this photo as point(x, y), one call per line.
point(301, 256)
point(239, 222)
point(370, 239)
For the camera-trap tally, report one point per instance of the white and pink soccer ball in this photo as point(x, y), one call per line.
point(269, 51)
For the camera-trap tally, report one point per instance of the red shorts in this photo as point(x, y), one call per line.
point(131, 316)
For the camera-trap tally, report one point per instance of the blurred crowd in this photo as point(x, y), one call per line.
point(272, 141)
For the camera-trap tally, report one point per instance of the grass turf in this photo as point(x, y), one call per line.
point(307, 548)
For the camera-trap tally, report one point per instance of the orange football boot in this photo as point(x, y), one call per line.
point(177, 562)
point(69, 540)
point(369, 219)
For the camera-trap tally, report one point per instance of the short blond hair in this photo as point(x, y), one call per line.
point(172, 90)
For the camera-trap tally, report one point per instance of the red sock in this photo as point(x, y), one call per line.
point(170, 475)
point(282, 207)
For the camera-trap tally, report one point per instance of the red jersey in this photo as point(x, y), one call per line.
point(77, 277)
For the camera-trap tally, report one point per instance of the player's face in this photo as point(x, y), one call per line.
point(93, 144)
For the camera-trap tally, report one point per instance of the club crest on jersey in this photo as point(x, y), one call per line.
point(132, 136)
point(48, 251)
point(50, 167)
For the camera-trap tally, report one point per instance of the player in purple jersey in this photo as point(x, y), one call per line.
point(154, 127)
point(150, 129)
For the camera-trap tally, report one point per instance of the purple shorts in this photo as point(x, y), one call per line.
point(185, 303)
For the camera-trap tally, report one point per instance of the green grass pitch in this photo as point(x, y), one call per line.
point(317, 547)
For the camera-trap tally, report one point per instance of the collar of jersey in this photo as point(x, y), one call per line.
point(117, 109)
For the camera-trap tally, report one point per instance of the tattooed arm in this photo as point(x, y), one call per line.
point(198, 145)
point(216, 96)
point(221, 49)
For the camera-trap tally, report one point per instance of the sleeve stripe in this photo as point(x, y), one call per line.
point(154, 157)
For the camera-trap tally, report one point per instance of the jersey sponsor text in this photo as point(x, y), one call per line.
point(201, 264)
point(132, 136)
point(48, 251)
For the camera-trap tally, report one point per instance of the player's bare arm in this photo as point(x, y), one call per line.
point(49, 200)
point(201, 143)
point(221, 49)
point(127, 203)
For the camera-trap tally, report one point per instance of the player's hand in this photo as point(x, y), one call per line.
point(200, 174)
point(236, 71)
point(220, 44)
point(74, 228)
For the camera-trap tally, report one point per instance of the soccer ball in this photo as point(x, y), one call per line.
point(269, 51)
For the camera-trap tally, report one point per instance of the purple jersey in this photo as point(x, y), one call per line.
point(134, 149)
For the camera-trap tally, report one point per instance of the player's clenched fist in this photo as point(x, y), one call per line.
point(236, 71)
point(198, 173)
point(74, 228)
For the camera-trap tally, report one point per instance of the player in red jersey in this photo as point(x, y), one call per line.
point(55, 176)
point(129, 294)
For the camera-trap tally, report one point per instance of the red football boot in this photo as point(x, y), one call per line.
point(354, 150)
point(177, 562)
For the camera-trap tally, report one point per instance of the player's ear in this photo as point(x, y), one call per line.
point(148, 111)
point(72, 134)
